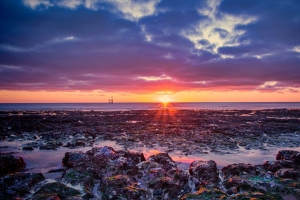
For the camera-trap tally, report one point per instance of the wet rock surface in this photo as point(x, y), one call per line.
point(106, 173)
point(190, 131)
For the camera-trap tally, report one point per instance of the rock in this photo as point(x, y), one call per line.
point(182, 177)
point(289, 155)
point(28, 148)
point(165, 160)
point(121, 187)
point(205, 172)
point(165, 187)
point(243, 184)
point(238, 170)
point(272, 166)
point(82, 180)
point(48, 147)
point(19, 184)
point(104, 160)
point(72, 159)
point(256, 195)
point(54, 190)
point(75, 143)
point(288, 173)
point(205, 193)
point(10, 164)
point(232, 190)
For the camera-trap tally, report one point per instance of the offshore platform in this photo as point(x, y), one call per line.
point(111, 100)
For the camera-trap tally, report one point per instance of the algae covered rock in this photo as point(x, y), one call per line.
point(81, 180)
point(206, 194)
point(256, 196)
point(165, 187)
point(121, 187)
point(54, 190)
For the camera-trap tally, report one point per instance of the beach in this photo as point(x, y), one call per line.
point(43, 138)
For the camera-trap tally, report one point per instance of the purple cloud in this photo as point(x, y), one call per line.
point(208, 45)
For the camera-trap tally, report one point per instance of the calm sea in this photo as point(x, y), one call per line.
point(148, 106)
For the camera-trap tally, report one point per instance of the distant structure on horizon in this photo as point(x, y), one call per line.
point(111, 100)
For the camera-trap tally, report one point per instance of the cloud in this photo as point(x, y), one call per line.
point(141, 46)
point(130, 9)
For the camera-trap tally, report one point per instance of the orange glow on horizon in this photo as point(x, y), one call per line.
point(7, 96)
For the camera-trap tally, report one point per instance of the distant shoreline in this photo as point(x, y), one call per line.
point(148, 106)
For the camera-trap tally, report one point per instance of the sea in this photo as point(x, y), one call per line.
point(148, 106)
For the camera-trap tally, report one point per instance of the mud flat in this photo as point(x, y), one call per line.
point(155, 154)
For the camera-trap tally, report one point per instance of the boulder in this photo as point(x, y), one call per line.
point(272, 166)
point(80, 180)
point(121, 187)
point(289, 155)
point(10, 163)
point(56, 190)
point(238, 170)
point(165, 188)
point(73, 159)
point(205, 172)
point(288, 173)
point(165, 160)
point(19, 184)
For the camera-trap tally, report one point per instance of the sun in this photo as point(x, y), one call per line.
point(164, 99)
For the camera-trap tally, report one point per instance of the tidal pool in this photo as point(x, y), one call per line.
point(41, 161)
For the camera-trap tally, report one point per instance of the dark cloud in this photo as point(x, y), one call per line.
point(101, 48)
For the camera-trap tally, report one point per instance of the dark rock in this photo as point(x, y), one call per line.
point(48, 147)
point(272, 166)
point(238, 170)
point(10, 164)
point(28, 148)
point(54, 190)
point(289, 155)
point(232, 190)
point(121, 187)
point(72, 159)
point(19, 184)
point(57, 170)
point(165, 187)
point(288, 173)
point(205, 172)
point(182, 177)
point(82, 179)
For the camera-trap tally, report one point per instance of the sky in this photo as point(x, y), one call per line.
point(149, 50)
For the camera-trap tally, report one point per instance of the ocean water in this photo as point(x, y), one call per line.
point(148, 106)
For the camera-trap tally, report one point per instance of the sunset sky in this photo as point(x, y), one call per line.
point(147, 51)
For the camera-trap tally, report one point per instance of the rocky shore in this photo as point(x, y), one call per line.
point(103, 173)
point(189, 131)
point(106, 173)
